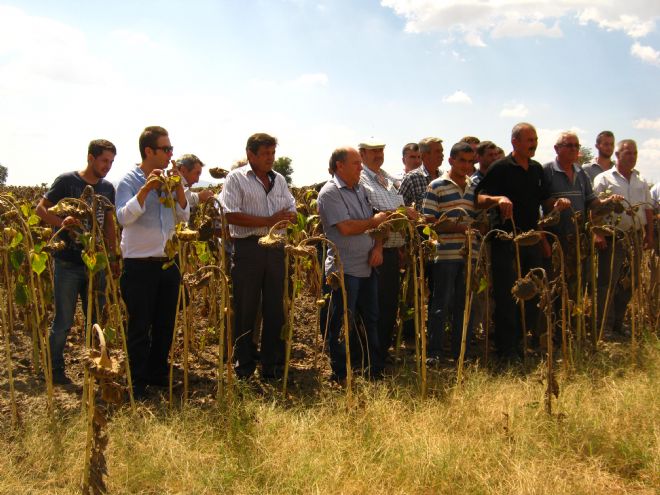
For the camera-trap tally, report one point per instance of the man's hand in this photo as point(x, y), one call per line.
point(412, 213)
point(205, 195)
point(562, 204)
point(600, 242)
point(69, 222)
point(281, 216)
point(114, 268)
point(153, 180)
point(376, 256)
point(379, 218)
point(506, 207)
point(616, 198)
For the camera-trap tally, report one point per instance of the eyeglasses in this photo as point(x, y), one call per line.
point(166, 149)
point(570, 145)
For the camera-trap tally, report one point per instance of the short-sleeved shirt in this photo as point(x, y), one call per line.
point(384, 196)
point(337, 202)
point(413, 186)
point(592, 170)
point(655, 196)
point(72, 185)
point(635, 191)
point(243, 192)
point(444, 196)
point(525, 188)
point(579, 192)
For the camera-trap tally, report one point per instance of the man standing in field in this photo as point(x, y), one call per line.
point(605, 147)
point(486, 155)
point(383, 196)
point(346, 215)
point(190, 168)
point(414, 184)
point(623, 180)
point(411, 157)
point(70, 277)
point(445, 195)
point(517, 187)
point(150, 288)
point(255, 198)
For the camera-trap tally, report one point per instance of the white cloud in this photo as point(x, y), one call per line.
point(645, 54)
point(647, 124)
point(518, 18)
point(518, 110)
point(133, 39)
point(309, 80)
point(473, 38)
point(458, 97)
point(312, 79)
point(648, 161)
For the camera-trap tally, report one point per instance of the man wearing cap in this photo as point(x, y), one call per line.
point(383, 196)
point(255, 198)
point(346, 214)
point(149, 290)
point(190, 168)
point(414, 184)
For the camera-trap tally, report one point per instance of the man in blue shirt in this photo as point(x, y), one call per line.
point(149, 291)
point(346, 215)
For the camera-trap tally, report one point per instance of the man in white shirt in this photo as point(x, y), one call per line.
point(624, 180)
point(149, 291)
point(190, 168)
point(254, 199)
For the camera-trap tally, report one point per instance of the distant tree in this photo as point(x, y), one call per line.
point(586, 156)
point(3, 174)
point(283, 166)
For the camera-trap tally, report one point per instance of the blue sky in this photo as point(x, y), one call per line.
point(318, 75)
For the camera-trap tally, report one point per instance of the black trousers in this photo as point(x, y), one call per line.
point(150, 294)
point(507, 317)
point(257, 273)
point(388, 297)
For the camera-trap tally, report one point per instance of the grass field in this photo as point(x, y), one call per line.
point(490, 437)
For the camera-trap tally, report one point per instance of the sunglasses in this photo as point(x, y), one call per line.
point(166, 149)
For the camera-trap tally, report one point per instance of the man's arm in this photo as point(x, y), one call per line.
point(48, 217)
point(485, 201)
point(245, 220)
point(356, 227)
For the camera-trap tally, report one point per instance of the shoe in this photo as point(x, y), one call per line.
point(140, 392)
point(60, 378)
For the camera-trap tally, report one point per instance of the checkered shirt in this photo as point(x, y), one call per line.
point(413, 186)
point(384, 198)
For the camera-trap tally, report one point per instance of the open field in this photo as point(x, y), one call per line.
point(492, 436)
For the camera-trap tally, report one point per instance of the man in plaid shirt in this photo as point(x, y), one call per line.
point(414, 183)
point(384, 196)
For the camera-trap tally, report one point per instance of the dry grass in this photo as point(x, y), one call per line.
point(492, 437)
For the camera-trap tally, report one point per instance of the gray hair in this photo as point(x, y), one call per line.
point(188, 162)
point(339, 155)
point(425, 144)
point(624, 142)
point(565, 134)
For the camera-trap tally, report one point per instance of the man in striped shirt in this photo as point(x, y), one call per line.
point(452, 194)
point(256, 198)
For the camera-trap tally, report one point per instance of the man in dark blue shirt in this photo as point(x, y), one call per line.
point(70, 277)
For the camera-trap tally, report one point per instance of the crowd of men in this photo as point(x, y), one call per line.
point(358, 197)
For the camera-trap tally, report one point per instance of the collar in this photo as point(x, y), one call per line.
point(422, 170)
point(445, 176)
point(341, 184)
point(557, 167)
point(633, 174)
point(247, 170)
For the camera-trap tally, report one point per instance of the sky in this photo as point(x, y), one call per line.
point(319, 74)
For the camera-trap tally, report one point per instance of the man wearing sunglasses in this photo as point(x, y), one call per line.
point(149, 283)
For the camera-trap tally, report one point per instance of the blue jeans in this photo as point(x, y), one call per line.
point(447, 306)
point(69, 281)
point(362, 297)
